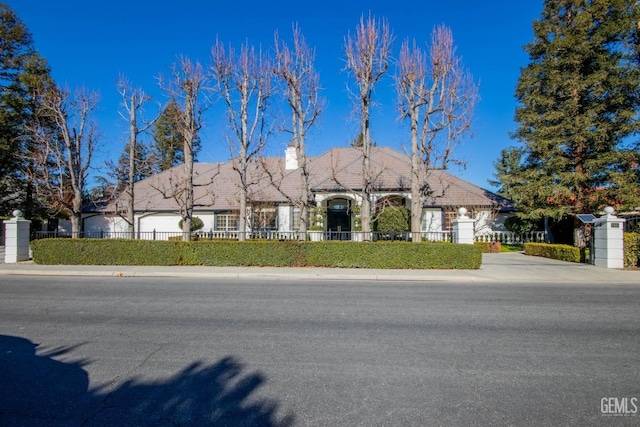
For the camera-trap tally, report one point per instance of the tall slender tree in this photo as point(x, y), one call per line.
point(294, 66)
point(185, 90)
point(578, 109)
point(244, 80)
point(135, 155)
point(367, 60)
point(437, 97)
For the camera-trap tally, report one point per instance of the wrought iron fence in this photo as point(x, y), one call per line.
point(632, 224)
point(432, 236)
point(141, 235)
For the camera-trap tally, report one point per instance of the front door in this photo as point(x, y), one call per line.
point(338, 219)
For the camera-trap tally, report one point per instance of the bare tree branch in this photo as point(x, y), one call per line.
point(367, 59)
point(295, 67)
point(437, 96)
point(133, 100)
point(244, 81)
point(184, 88)
point(63, 155)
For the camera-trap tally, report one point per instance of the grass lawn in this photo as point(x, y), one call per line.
point(512, 248)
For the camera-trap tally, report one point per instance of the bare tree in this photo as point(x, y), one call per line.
point(244, 81)
point(64, 139)
point(367, 56)
point(295, 67)
point(437, 95)
point(184, 88)
point(133, 101)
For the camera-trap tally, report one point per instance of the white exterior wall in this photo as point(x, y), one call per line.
point(489, 222)
point(207, 219)
point(98, 223)
point(432, 220)
point(498, 223)
point(159, 222)
point(484, 221)
point(284, 218)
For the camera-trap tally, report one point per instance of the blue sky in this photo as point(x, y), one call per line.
point(90, 43)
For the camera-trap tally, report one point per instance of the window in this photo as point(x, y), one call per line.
point(295, 219)
point(338, 204)
point(264, 219)
point(226, 222)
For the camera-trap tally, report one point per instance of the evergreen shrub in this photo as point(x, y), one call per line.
point(559, 252)
point(386, 254)
point(398, 255)
point(393, 218)
point(631, 250)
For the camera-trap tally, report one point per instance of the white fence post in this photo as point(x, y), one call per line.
point(463, 228)
point(609, 240)
point(16, 238)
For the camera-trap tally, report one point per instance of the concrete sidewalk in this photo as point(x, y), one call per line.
point(497, 268)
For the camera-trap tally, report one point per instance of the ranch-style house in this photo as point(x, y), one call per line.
point(274, 184)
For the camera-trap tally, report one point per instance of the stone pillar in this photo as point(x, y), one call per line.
point(608, 240)
point(463, 228)
point(16, 238)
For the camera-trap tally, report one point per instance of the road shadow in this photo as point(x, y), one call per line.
point(38, 390)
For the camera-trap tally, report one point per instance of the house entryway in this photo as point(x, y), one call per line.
point(339, 219)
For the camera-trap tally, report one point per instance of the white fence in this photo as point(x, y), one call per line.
point(508, 237)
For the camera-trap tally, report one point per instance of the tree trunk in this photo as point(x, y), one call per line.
point(76, 216)
point(416, 195)
point(304, 175)
point(188, 163)
point(366, 170)
point(132, 168)
point(242, 215)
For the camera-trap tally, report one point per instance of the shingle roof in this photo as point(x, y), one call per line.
point(216, 185)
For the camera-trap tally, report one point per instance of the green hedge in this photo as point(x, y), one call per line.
point(560, 252)
point(105, 252)
point(257, 253)
point(631, 250)
point(392, 255)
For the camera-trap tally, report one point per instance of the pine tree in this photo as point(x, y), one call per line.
point(507, 175)
point(23, 74)
point(168, 142)
point(168, 145)
point(578, 110)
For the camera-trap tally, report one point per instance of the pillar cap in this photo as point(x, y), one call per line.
point(462, 212)
point(17, 214)
point(609, 210)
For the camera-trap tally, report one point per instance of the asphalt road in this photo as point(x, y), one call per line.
point(135, 351)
